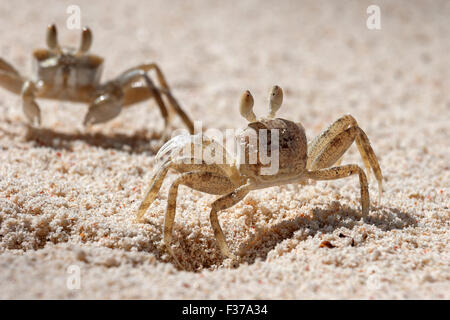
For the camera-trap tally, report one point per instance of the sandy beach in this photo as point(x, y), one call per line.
point(69, 194)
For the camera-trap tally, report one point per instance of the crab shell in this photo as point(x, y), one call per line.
point(292, 146)
point(65, 74)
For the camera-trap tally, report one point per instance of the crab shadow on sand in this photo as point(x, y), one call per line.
point(266, 239)
point(139, 142)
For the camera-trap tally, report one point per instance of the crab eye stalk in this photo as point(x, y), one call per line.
point(275, 100)
point(52, 37)
point(86, 40)
point(246, 106)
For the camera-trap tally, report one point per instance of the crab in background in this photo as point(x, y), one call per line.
point(70, 74)
point(298, 162)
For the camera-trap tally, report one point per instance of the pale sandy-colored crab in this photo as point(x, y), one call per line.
point(71, 74)
point(298, 162)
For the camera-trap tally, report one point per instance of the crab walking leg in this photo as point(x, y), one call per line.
point(366, 151)
point(152, 66)
point(158, 178)
point(201, 181)
point(166, 91)
point(10, 79)
point(365, 157)
point(155, 186)
point(319, 142)
point(337, 142)
point(5, 66)
point(342, 172)
point(138, 93)
point(135, 93)
point(132, 75)
point(327, 135)
point(170, 213)
point(152, 192)
point(176, 106)
point(223, 203)
point(333, 150)
point(29, 105)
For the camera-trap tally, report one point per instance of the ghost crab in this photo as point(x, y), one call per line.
point(298, 162)
point(70, 74)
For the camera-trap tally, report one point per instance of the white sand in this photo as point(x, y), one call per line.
point(69, 196)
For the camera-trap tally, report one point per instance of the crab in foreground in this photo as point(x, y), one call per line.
point(298, 162)
point(70, 74)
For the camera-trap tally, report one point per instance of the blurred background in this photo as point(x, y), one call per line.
point(321, 52)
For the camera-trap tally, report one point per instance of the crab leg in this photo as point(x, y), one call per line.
point(319, 142)
point(368, 155)
point(165, 90)
point(202, 181)
point(5, 66)
point(182, 165)
point(342, 172)
point(223, 203)
point(329, 146)
point(152, 66)
point(131, 75)
point(29, 105)
point(176, 106)
point(10, 79)
point(152, 192)
point(334, 149)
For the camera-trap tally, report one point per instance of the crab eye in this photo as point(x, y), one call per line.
point(86, 40)
point(246, 106)
point(276, 99)
point(52, 37)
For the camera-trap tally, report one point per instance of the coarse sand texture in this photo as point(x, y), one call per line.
point(69, 194)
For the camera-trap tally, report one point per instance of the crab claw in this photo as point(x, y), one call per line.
point(104, 108)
